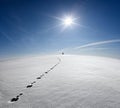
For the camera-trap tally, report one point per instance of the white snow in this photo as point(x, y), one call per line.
point(77, 82)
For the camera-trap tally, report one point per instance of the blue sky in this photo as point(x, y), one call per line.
point(28, 26)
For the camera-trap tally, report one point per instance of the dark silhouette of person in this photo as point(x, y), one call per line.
point(62, 53)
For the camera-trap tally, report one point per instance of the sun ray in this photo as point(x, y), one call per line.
point(67, 21)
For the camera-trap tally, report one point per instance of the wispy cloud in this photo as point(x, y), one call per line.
point(90, 45)
point(7, 37)
point(97, 43)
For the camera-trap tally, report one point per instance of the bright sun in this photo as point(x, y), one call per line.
point(68, 21)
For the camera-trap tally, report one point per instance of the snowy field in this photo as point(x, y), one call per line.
point(69, 81)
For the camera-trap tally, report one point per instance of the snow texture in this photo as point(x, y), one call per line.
point(60, 81)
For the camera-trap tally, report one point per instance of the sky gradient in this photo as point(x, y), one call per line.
point(29, 27)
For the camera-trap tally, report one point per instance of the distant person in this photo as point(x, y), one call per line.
point(62, 53)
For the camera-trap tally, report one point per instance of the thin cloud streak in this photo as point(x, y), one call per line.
point(97, 43)
point(90, 45)
point(7, 37)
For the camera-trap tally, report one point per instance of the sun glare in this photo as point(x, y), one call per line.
point(68, 21)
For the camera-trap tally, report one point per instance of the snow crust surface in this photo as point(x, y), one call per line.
point(77, 82)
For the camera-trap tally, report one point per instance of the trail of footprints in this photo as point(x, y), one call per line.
point(31, 84)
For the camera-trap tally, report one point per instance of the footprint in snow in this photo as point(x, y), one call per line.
point(33, 82)
point(29, 86)
point(14, 99)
